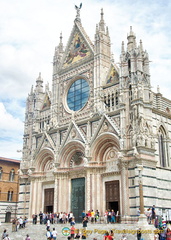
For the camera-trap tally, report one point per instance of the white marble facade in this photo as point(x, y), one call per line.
point(99, 132)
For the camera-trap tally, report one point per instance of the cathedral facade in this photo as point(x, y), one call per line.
point(85, 139)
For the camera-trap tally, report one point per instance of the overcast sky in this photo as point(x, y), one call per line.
point(30, 30)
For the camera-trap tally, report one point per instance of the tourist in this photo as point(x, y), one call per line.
point(24, 222)
point(54, 234)
point(83, 214)
point(85, 221)
point(139, 234)
point(41, 217)
point(4, 234)
point(111, 234)
point(7, 238)
point(48, 225)
point(162, 234)
point(72, 230)
point(72, 221)
point(105, 216)
point(107, 236)
point(109, 216)
point(153, 214)
point(55, 218)
point(89, 215)
point(14, 225)
point(77, 236)
point(92, 216)
point(48, 234)
point(20, 220)
point(97, 216)
point(27, 237)
point(168, 234)
point(113, 220)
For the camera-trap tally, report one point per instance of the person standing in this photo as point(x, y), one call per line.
point(83, 214)
point(72, 231)
point(85, 221)
point(14, 225)
point(41, 217)
point(92, 216)
point(139, 234)
point(153, 214)
point(168, 234)
point(54, 234)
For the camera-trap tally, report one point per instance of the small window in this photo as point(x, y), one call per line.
point(1, 171)
point(11, 175)
point(10, 195)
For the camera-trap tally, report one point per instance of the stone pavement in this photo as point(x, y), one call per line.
point(38, 232)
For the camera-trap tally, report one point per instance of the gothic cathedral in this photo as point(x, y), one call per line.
point(101, 130)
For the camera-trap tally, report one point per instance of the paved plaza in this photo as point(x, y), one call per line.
point(93, 230)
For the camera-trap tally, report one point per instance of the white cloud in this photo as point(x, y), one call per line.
point(30, 30)
point(11, 131)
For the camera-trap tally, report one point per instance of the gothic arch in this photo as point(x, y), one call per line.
point(44, 160)
point(163, 146)
point(69, 150)
point(101, 144)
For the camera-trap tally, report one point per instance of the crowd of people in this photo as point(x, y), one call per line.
point(91, 216)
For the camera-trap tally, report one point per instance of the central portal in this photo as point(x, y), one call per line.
point(78, 197)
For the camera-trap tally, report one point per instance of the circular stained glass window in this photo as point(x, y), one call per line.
point(78, 94)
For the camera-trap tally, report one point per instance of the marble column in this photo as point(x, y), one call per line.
point(124, 188)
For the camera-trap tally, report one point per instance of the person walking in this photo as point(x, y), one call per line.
point(48, 234)
point(4, 234)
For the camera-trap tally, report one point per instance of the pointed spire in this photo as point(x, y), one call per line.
point(97, 28)
point(31, 91)
point(122, 48)
point(131, 40)
point(102, 24)
point(107, 31)
point(112, 58)
point(158, 89)
point(61, 44)
point(39, 81)
point(141, 46)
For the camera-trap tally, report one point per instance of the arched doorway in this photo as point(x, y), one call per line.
point(8, 217)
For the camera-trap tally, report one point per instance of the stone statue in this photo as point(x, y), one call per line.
point(78, 11)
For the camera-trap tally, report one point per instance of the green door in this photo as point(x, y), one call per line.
point(78, 197)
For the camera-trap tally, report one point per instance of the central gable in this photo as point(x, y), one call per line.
point(78, 48)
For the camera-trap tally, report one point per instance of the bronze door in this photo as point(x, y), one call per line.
point(78, 197)
point(112, 195)
point(48, 200)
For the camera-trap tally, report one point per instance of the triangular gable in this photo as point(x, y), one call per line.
point(112, 76)
point(45, 141)
point(106, 124)
point(46, 102)
point(73, 133)
point(79, 47)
